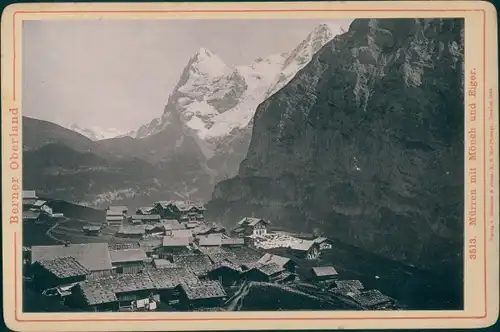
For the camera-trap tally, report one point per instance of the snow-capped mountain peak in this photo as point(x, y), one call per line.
point(95, 133)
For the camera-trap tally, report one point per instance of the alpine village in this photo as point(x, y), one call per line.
point(168, 257)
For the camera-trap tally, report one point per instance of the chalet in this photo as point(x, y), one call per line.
point(243, 257)
point(373, 300)
point(174, 246)
point(288, 264)
point(324, 273)
point(170, 225)
point(324, 243)
point(347, 287)
point(92, 230)
point(251, 226)
point(167, 280)
point(95, 257)
point(60, 271)
point(180, 211)
point(305, 249)
point(128, 260)
point(264, 273)
point(199, 264)
point(31, 216)
point(119, 291)
point(151, 246)
point(144, 218)
point(225, 272)
point(232, 242)
point(203, 294)
point(185, 233)
point(155, 229)
point(29, 198)
point(212, 240)
point(145, 210)
point(217, 254)
point(114, 218)
point(132, 232)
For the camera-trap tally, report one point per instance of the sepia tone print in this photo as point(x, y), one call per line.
point(252, 167)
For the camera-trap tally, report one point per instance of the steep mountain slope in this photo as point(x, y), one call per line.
point(365, 143)
point(62, 164)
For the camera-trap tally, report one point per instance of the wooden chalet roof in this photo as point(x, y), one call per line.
point(31, 214)
point(163, 263)
point(93, 256)
point(270, 258)
point(217, 254)
point(150, 244)
point(210, 240)
point(128, 255)
point(172, 224)
point(243, 255)
point(94, 293)
point(303, 245)
point(271, 269)
point(114, 217)
point(371, 298)
point(145, 209)
point(185, 233)
point(232, 241)
point(64, 267)
point(29, 194)
point(320, 239)
point(169, 278)
point(119, 208)
point(155, 217)
point(114, 213)
point(132, 230)
point(250, 221)
point(355, 284)
point(323, 271)
point(204, 290)
point(198, 263)
point(224, 264)
point(173, 241)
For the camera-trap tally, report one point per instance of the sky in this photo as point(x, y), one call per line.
point(119, 74)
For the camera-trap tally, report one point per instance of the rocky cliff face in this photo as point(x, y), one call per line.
point(365, 144)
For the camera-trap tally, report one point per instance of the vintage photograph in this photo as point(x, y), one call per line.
point(243, 165)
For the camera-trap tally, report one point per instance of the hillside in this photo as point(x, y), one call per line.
point(366, 144)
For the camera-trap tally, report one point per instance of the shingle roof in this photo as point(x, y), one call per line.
point(233, 241)
point(244, 255)
point(303, 245)
point(322, 271)
point(271, 269)
point(210, 240)
point(349, 284)
point(132, 230)
point(197, 263)
point(30, 214)
point(128, 255)
point(163, 263)
point(145, 217)
point(145, 210)
point(172, 224)
point(64, 267)
point(181, 233)
point(114, 213)
point(29, 194)
point(204, 290)
point(371, 298)
point(169, 278)
point(150, 244)
point(172, 241)
point(224, 264)
point(120, 208)
point(270, 258)
point(93, 256)
point(320, 239)
point(114, 218)
point(217, 254)
point(94, 293)
point(250, 221)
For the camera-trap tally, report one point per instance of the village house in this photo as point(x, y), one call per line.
point(288, 264)
point(232, 242)
point(225, 272)
point(95, 257)
point(171, 225)
point(264, 273)
point(201, 295)
point(199, 264)
point(243, 257)
point(373, 299)
point(324, 273)
point(151, 246)
point(167, 280)
point(60, 271)
point(216, 254)
point(180, 211)
point(174, 246)
point(92, 230)
point(119, 209)
point(145, 210)
point(29, 198)
point(155, 229)
point(115, 217)
point(144, 218)
point(185, 233)
point(92, 297)
point(31, 216)
point(212, 240)
point(347, 287)
point(38, 204)
point(251, 226)
point(324, 243)
point(132, 232)
point(305, 249)
point(160, 263)
point(128, 260)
